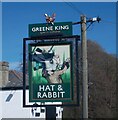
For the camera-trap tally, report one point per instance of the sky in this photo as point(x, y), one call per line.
point(17, 15)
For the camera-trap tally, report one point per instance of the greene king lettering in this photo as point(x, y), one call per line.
point(50, 91)
point(50, 28)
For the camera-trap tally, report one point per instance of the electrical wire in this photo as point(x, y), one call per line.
point(81, 13)
point(73, 7)
point(70, 4)
point(89, 26)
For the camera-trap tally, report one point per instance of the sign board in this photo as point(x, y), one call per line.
point(50, 72)
point(59, 28)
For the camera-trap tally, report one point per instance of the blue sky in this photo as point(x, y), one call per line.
point(17, 16)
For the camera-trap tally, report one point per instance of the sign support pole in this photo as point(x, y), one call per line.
point(51, 113)
point(84, 66)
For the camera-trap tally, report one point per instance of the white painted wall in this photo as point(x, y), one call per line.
point(0, 105)
point(14, 108)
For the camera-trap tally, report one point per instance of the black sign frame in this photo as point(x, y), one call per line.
point(52, 38)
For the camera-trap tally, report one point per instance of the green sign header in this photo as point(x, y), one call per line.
point(63, 28)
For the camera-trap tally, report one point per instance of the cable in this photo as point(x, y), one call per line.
point(81, 13)
point(73, 7)
point(89, 26)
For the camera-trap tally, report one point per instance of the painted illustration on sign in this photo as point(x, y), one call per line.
point(50, 71)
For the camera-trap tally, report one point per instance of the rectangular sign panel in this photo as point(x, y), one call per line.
point(61, 28)
point(50, 72)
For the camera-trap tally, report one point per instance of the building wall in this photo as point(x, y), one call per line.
point(4, 73)
point(0, 105)
point(13, 108)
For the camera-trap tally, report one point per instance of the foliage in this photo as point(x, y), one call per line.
point(102, 84)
